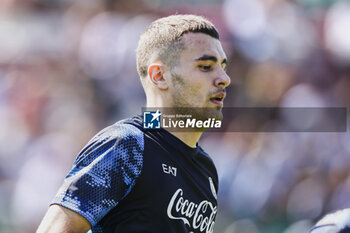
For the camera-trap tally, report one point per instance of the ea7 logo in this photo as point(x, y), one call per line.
point(169, 169)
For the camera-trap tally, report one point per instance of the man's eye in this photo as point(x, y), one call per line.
point(205, 68)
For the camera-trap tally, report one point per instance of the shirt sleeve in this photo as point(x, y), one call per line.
point(104, 172)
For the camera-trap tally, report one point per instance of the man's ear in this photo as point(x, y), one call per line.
point(155, 74)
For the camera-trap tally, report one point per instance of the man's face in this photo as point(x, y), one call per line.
point(199, 79)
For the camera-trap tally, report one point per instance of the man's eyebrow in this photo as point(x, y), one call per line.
point(210, 58)
point(207, 57)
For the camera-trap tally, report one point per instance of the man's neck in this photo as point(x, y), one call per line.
point(189, 138)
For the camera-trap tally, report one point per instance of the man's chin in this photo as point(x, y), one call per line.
point(218, 113)
point(209, 113)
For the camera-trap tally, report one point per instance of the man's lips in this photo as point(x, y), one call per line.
point(218, 98)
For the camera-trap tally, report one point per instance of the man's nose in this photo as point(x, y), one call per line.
point(223, 80)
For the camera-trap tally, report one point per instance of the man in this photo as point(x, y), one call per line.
point(128, 179)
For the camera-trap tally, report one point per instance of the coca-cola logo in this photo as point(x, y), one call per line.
point(199, 216)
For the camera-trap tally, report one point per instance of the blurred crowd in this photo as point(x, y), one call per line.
point(68, 69)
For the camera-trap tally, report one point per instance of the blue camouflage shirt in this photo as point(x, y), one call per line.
point(128, 179)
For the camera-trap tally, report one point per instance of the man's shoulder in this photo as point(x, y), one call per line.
point(124, 129)
point(125, 133)
point(104, 172)
point(124, 139)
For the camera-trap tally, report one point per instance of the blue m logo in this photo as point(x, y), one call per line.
point(151, 119)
